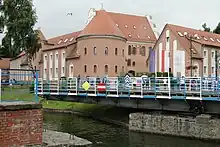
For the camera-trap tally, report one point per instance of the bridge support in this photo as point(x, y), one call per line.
point(201, 127)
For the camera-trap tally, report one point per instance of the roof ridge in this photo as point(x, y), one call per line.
point(64, 35)
point(125, 14)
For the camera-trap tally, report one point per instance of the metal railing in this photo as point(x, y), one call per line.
point(19, 85)
point(135, 87)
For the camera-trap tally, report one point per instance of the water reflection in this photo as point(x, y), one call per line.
point(103, 135)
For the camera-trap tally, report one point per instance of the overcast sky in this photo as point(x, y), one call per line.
point(53, 19)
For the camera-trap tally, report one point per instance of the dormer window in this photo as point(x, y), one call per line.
point(134, 27)
point(126, 26)
point(65, 40)
point(205, 38)
point(59, 41)
point(129, 35)
point(145, 28)
point(148, 37)
point(116, 24)
point(212, 39)
point(180, 34)
point(218, 40)
point(72, 39)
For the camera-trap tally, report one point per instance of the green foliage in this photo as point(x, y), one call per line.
point(206, 28)
point(19, 17)
point(217, 29)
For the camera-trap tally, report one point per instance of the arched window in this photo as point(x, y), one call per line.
point(123, 52)
point(143, 51)
point(116, 69)
point(116, 51)
point(95, 68)
point(106, 68)
point(133, 63)
point(129, 50)
point(123, 69)
point(85, 68)
point(134, 51)
point(85, 51)
point(94, 51)
point(106, 50)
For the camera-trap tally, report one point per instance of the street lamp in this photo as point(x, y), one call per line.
point(190, 38)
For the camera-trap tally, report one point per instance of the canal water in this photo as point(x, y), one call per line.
point(105, 135)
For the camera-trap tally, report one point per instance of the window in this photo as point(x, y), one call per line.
point(123, 69)
point(123, 52)
point(213, 54)
point(129, 62)
point(133, 63)
point(45, 57)
point(51, 70)
point(116, 69)
point(106, 50)
point(205, 68)
point(143, 51)
point(204, 53)
point(56, 72)
point(129, 50)
point(106, 68)
point(95, 68)
point(94, 50)
point(85, 68)
point(168, 39)
point(116, 51)
point(134, 51)
point(66, 40)
point(63, 70)
point(213, 69)
point(56, 56)
point(85, 51)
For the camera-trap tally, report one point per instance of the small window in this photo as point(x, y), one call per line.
point(205, 38)
point(218, 40)
point(59, 41)
point(106, 50)
point(65, 40)
point(116, 51)
point(95, 68)
point(56, 71)
point(123, 69)
point(205, 68)
point(213, 54)
point(168, 39)
point(63, 70)
point(212, 39)
point(213, 69)
point(116, 69)
point(85, 68)
point(72, 39)
point(106, 69)
point(143, 51)
point(129, 62)
point(51, 70)
point(94, 51)
point(204, 53)
point(56, 56)
point(134, 51)
point(129, 50)
point(123, 52)
point(133, 63)
point(180, 34)
point(134, 27)
point(85, 51)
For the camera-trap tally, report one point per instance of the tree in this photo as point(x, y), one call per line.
point(19, 18)
point(217, 29)
point(206, 28)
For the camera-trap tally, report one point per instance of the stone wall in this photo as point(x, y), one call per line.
point(202, 126)
point(20, 124)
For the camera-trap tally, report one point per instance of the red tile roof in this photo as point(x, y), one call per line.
point(206, 38)
point(101, 24)
point(64, 39)
point(133, 28)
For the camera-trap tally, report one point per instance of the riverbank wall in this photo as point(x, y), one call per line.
point(20, 124)
point(89, 115)
point(200, 127)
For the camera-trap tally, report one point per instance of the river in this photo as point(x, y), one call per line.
point(105, 135)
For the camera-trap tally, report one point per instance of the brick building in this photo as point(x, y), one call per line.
point(172, 51)
point(110, 44)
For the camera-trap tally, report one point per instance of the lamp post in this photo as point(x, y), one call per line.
point(190, 38)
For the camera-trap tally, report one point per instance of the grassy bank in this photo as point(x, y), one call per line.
point(98, 110)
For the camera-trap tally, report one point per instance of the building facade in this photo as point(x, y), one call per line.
point(110, 44)
point(182, 50)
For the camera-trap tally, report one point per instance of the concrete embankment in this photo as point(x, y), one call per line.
point(57, 139)
point(200, 127)
point(89, 115)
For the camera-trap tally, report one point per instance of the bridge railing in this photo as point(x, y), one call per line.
point(137, 87)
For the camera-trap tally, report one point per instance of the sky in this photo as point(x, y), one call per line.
point(53, 19)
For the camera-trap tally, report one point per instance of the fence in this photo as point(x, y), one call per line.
point(18, 85)
point(160, 87)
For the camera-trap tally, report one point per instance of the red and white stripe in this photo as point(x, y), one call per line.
point(101, 87)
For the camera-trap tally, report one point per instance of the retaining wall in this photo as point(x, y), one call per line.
point(20, 124)
point(201, 127)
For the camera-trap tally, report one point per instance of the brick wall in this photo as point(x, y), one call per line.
point(20, 127)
